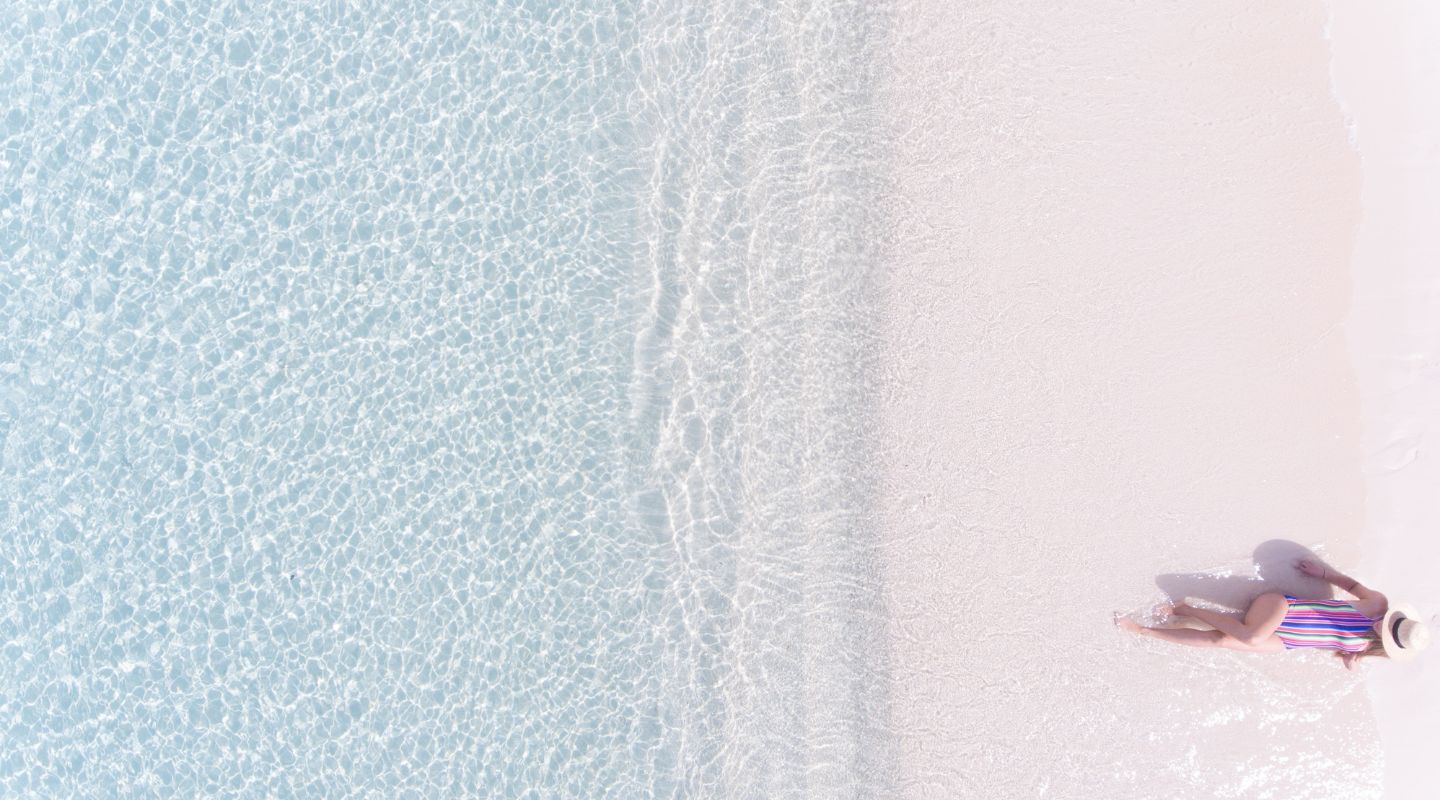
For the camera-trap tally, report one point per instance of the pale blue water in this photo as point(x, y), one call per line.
point(438, 400)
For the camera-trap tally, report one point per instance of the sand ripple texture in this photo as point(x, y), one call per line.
point(435, 400)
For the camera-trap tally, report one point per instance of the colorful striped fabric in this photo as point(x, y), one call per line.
point(1333, 624)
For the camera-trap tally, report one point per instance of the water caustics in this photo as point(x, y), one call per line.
point(420, 400)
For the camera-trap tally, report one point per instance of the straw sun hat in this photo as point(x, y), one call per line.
point(1403, 633)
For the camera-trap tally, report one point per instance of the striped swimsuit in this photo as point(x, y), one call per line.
point(1333, 624)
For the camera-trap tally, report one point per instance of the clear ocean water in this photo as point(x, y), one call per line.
point(444, 399)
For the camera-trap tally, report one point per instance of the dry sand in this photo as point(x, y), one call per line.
point(1115, 309)
point(1386, 61)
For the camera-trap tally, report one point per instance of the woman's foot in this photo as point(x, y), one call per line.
point(1126, 624)
point(1169, 611)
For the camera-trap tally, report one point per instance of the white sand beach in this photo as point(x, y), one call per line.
point(1121, 270)
point(724, 400)
point(1384, 70)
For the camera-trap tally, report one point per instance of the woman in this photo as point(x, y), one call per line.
point(1367, 625)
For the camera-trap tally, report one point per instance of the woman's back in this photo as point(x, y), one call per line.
point(1331, 624)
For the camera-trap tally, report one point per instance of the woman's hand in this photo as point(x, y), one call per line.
point(1310, 568)
point(1375, 603)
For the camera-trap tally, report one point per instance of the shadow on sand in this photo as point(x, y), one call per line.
point(1274, 571)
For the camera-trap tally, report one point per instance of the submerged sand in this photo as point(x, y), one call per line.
point(1115, 311)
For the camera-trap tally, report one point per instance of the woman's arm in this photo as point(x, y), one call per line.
point(1371, 602)
point(1333, 577)
point(1349, 659)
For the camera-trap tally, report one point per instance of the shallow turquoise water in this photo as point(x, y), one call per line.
point(442, 400)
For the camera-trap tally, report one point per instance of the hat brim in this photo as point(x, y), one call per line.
point(1387, 627)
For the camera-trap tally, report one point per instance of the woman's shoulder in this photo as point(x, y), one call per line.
point(1373, 605)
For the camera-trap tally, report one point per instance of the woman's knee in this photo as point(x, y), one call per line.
point(1264, 616)
point(1270, 604)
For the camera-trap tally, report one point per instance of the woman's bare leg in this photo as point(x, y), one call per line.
point(1193, 638)
point(1261, 619)
point(1185, 636)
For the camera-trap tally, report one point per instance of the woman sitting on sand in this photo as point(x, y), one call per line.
point(1368, 625)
